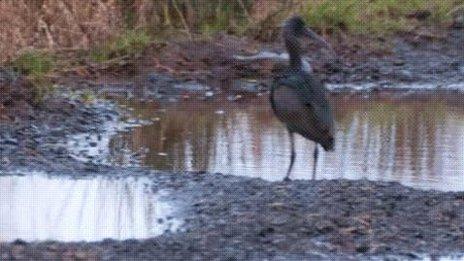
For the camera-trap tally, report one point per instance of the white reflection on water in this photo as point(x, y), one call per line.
point(36, 207)
point(416, 141)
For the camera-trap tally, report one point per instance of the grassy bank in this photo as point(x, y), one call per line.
point(351, 16)
point(111, 24)
point(35, 66)
point(58, 24)
point(262, 19)
point(113, 29)
point(379, 16)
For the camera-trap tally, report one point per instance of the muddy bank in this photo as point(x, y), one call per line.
point(32, 134)
point(235, 218)
point(432, 60)
point(428, 57)
point(231, 218)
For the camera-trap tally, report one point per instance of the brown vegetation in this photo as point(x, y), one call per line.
point(51, 24)
point(77, 24)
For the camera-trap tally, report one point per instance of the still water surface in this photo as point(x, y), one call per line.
point(416, 139)
point(37, 207)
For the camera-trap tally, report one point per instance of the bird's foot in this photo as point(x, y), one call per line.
point(287, 179)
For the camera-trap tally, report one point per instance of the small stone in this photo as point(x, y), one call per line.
point(60, 150)
point(277, 205)
point(234, 97)
point(266, 231)
point(80, 255)
point(420, 15)
point(5, 161)
point(278, 221)
point(458, 17)
point(19, 242)
point(362, 248)
point(10, 141)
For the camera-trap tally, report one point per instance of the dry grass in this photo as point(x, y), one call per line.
point(52, 24)
point(77, 24)
point(128, 43)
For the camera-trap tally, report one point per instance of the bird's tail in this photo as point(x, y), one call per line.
point(328, 144)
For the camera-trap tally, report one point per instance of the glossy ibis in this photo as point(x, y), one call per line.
point(298, 98)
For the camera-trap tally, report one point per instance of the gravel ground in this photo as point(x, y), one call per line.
point(234, 218)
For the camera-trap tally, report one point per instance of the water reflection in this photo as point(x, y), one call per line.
point(35, 207)
point(415, 140)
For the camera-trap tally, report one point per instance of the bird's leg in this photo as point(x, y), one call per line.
point(316, 153)
point(292, 155)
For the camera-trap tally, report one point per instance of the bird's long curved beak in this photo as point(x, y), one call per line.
point(318, 39)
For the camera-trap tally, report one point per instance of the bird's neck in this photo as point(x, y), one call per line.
point(294, 52)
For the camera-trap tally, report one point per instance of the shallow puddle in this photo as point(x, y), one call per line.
point(37, 207)
point(456, 257)
point(416, 139)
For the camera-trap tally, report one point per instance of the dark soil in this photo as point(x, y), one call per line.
point(430, 58)
point(235, 218)
point(32, 134)
point(17, 95)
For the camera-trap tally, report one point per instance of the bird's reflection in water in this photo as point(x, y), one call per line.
point(416, 140)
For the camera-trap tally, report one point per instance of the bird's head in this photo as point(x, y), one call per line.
point(295, 30)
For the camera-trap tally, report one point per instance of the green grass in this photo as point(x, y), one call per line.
point(222, 16)
point(36, 65)
point(33, 63)
point(129, 43)
point(331, 16)
point(375, 16)
point(88, 96)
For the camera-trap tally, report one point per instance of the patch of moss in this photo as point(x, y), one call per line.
point(127, 44)
point(33, 63)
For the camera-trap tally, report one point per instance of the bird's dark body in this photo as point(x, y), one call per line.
point(299, 100)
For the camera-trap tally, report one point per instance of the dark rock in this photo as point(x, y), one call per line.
point(420, 15)
point(458, 18)
point(363, 248)
point(10, 141)
point(19, 242)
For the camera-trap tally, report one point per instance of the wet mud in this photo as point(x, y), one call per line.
point(234, 218)
point(238, 66)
